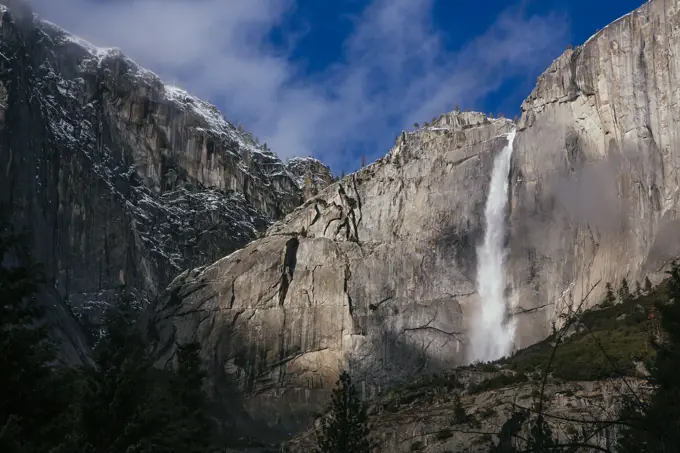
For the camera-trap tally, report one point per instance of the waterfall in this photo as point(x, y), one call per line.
point(491, 333)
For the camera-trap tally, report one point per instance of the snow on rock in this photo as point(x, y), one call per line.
point(134, 180)
point(309, 171)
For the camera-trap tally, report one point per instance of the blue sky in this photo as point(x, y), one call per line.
point(338, 79)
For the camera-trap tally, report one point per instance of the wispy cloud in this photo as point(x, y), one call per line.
point(395, 68)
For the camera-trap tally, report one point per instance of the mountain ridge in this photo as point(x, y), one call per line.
point(118, 175)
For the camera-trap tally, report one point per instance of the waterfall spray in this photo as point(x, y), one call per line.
point(491, 333)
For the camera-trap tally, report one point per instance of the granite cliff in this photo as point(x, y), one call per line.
point(377, 272)
point(374, 272)
point(123, 181)
point(595, 190)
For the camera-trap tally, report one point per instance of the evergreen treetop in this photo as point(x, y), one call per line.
point(345, 428)
point(624, 291)
point(28, 402)
point(609, 297)
point(459, 414)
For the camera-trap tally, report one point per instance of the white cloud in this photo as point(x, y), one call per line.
point(395, 70)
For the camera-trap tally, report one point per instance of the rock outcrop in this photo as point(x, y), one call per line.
point(311, 175)
point(122, 179)
point(421, 416)
point(595, 188)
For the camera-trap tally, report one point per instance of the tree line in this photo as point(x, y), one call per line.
point(119, 404)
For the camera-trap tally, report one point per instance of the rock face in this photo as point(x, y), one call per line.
point(374, 273)
point(595, 188)
point(123, 180)
point(310, 174)
point(127, 181)
point(420, 416)
point(377, 272)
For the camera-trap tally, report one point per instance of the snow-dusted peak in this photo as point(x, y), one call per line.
point(304, 161)
point(63, 37)
point(93, 55)
point(309, 172)
point(98, 52)
point(209, 117)
point(212, 117)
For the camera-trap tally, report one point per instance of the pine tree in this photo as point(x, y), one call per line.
point(125, 404)
point(116, 390)
point(507, 438)
point(652, 426)
point(363, 161)
point(416, 125)
point(648, 285)
point(345, 428)
point(541, 437)
point(29, 403)
point(173, 418)
point(122, 404)
point(193, 430)
point(459, 414)
point(342, 175)
point(638, 289)
point(624, 291)
point(609, 297)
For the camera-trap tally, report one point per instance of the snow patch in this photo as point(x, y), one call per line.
point(301, 160)
point(217, 124)
point(67, 37)
point(205, 110)
point(99, 52)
